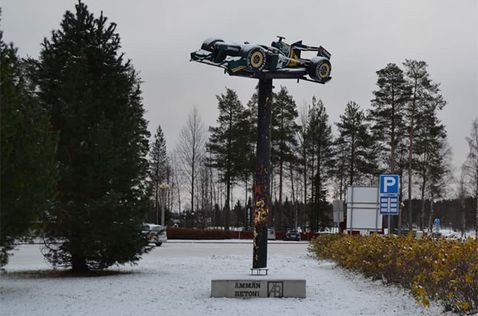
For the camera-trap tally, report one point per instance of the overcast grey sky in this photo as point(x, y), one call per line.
point(363, 36)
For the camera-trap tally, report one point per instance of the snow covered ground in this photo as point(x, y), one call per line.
point(175, 279)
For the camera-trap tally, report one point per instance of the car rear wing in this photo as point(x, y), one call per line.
point(320, 50)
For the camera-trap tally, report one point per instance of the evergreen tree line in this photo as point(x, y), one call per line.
point(399, 134)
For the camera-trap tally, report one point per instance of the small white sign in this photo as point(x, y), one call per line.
point(338, 208)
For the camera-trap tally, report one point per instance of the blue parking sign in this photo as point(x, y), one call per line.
point(389, 183)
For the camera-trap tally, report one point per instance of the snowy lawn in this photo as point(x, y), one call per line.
point(175, 279)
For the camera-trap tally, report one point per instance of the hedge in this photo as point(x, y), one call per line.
point(433, 269)
point(193, 233)
point(190, 233)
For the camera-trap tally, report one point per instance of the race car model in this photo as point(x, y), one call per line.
point(280, 60)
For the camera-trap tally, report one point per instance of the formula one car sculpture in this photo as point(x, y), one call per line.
point(280, 60)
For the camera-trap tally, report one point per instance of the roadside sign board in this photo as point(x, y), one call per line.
point(362, 209)
point(389, 194)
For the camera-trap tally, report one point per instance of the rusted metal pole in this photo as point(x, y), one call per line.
point(262, 200)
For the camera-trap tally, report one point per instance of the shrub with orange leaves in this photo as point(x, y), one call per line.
point(433, 269)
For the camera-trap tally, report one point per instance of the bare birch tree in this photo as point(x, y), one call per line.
point(471, 167)
point(191, 150)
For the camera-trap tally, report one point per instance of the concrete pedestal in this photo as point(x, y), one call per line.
point(250, 286)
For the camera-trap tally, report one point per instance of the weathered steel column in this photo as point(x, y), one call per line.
point(262, 182)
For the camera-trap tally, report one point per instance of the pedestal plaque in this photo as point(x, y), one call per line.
point(253, 286)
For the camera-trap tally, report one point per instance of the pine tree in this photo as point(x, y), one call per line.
point(438, 176)
point(425, 99)
point(302, 152)
point(283, 138)
point(248, 123)
point(354, 139)
point(251, 113)
point(387, 112)
point(321, 161)
point(228, 144)
point(429, 159)
point(94, 99)
point(341, 168)
point(159, 168)
point(27, 151)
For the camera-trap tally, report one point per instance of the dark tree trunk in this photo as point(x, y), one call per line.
point(227, 211)
point(78, 264)
point(279, 208)
point(422, 208)
point(410, 156)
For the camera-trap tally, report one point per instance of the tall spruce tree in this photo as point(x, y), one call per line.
point(355, 140)
point(27, 151)
point(158, 171)
point(425, 99)
point(94, 98)
point(283, 139)
point(228, 144)
point(321, 161)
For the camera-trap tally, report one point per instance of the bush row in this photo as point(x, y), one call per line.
point(193, 233)
point(190, 233)
point(433, 269)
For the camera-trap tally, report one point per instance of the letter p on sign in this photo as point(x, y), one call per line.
point(389, 184)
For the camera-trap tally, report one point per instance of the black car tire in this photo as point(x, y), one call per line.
point(256, 59)
point(159, 244)
point(319, 69)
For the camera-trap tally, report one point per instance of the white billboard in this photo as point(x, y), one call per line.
point(363, 209)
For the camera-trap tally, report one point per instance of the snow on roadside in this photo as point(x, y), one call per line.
point(175, 279)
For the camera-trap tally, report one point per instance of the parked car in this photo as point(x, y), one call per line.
point(156, 233)
point(292, 235)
